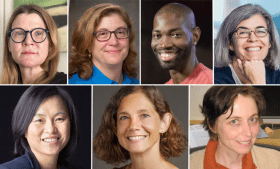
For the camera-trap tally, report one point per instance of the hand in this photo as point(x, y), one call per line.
point(253, 70)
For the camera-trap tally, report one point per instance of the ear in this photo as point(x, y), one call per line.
point(196, 35)
point(212, 129)
point(165, 122)
point(9, 46)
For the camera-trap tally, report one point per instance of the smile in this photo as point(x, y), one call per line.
point(244, 142)
point(113, 51)
point(166, 55)
point(136, 138)
point(253, 49)
point(50, 140)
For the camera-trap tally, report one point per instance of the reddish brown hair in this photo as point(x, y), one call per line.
point(81, 59)
point(172, 143)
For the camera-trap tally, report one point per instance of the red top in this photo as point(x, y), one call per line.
point(200, 75)
point(210, 161)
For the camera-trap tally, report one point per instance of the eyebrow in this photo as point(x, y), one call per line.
point(237, 117)
point(248, 29)
point(171, 30)
point(105, 29)
point(138, 112)
point(40, 114)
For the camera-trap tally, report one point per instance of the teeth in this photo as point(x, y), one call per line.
point(253, 49)
point(136, 138)
point(244, 142)
point(50, 140)
point(166, 55)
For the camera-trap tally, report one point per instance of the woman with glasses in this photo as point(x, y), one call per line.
point(31, 51)
point(102, 45)
point(246, 48)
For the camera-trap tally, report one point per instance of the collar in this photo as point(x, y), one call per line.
point(210, 161)
point(30, 162)
point(100, 78)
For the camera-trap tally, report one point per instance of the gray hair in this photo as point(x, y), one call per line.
point(224, 56)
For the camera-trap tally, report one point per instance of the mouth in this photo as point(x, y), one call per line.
point(249, 49)
point(166, 56)
point(136, 138)
point(50, 140)
point(113, 51)
point(28, 53)
point(244, 143)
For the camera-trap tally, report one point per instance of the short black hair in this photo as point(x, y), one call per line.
point(25, 110)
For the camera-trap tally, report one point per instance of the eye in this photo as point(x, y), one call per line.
point(176, 35)
point(102, 33)
point(59, 119)
point(254, 119)
point(156, 35)
point(38, 120)
point(123, 117)
point(120, 31)
point(234, 121)
point(145, 115)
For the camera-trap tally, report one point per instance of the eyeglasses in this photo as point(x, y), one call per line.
point(104, 35)
point(245, 33)
point(38, 35)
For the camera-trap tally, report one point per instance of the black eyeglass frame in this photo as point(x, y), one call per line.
point(10, 34)
point(128, 33)
point(250, 31)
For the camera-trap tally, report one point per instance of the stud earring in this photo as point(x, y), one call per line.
point(195, 43)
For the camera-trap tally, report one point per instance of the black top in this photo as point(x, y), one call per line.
point(59, 78)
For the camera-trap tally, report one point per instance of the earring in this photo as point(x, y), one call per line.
point(89, 55)
point(195, 43)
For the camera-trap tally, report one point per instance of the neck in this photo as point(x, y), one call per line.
point(239, 73)
point(181, 73)
point(29, 75)
point(47, 161)
point(149, 159)
point(228, 158)
point(113, 72)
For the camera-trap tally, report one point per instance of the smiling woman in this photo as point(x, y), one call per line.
point(31, 51)
point(232, 120)
point(247, 48)
point(45, 129)
point(138, 125)
point(103, 47)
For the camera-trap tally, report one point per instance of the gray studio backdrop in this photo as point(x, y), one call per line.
point(176, 96)
point(78, 7)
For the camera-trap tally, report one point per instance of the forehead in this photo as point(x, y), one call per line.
point(167, 21)
point(52, 105)
point(28, 20)
point(111, 21)
point(253, 22)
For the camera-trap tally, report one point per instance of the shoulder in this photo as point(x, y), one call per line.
point(129, 80)
point(59, 78)
point(19, 162)
point(272, 76)
point(196, 159)
point(202, 75)
point(134, 80)
point(265, 157)
point(70, 166)
point(223, 75)
point(75, 79)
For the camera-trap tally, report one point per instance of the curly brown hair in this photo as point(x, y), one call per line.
point(106, 146)
point(218, 99)
point(81, 59)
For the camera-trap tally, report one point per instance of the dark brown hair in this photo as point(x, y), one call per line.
point(81, 59)
point(218, 99)
point(11, 72)
point(106, 146)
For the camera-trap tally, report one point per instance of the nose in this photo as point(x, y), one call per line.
point(247, 131)
point(253, 37)
point(134, 124)
point(113, 40)
point(165, 42)
point(28, 40)
point(50, 127)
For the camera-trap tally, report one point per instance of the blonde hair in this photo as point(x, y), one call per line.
point(11, 72)
point(81, 59)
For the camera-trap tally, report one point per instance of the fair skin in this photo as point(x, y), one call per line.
point(49, 132)
point(237, 132)
point(29, 55)
point(138, 131)
point(108, 56)
point(250, 52)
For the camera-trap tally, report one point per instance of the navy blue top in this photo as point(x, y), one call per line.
point(99, 78)
point(224, 76)
point(24, 162)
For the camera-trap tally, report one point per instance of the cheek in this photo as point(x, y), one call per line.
point(228, 133)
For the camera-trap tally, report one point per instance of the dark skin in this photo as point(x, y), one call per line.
point(174, 39)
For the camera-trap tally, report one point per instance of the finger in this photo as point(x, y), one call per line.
point(240, 65)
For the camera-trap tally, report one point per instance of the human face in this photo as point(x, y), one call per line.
point(49, 131)
point(238, 133)
point(253, 47)
point(29, 53)
point(171, 40)
point(138, 124)
point(114, 51)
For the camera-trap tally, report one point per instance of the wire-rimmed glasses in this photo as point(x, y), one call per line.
point(245, 33)
point(104, 35)
point(38, 35)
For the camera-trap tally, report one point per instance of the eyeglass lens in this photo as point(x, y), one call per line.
point(104, 35)
point(38, 35)
point(244, 33)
